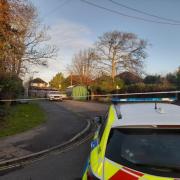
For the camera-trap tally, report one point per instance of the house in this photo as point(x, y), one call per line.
point(38, 88)
point(38, 83)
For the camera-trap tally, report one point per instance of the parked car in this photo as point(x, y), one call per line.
point(63, 95)
point(54, 95)
point(136, 141)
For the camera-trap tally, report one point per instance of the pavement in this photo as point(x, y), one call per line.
point(64, 121)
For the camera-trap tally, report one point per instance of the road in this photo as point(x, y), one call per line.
point(65, 166)
point(61, 125)
point(65, 119)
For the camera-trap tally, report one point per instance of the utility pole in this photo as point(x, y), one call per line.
point(71, 79)
point(90, 58)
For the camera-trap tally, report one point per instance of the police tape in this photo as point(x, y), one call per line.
point(96, 95)
point(129, 94)
point(22, 99)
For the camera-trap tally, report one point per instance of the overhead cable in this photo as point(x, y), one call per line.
point(127, 15)
point(143, 12)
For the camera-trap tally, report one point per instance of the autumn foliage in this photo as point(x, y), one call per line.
point(21, 37)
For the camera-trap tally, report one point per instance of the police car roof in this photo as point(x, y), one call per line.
point(145, 114)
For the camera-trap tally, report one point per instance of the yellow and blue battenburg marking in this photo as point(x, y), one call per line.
point(94, 143)
point(103, 168)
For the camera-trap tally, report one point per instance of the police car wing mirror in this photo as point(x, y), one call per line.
point(98, 120)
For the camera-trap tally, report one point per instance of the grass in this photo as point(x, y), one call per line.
point(22, 117)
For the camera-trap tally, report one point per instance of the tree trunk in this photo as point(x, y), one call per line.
point(113, 70)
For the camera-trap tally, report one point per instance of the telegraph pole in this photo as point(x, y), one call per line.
point(71, 79)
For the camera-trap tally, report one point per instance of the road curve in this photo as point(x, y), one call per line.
point(68, 165)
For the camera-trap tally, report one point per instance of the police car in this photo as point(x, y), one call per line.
point(136, 142)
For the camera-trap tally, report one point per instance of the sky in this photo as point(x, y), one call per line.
point(75, 25)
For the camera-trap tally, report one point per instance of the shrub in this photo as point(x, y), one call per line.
point(178, 80)
point(105, 85)
point(10, 86)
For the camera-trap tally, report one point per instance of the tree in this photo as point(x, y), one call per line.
point(6, 34)
point(57, 81)
point(178, 78)
point(152, 79)
point(171, 78)
point(174, 78)
point(83, 65)
point(118, 51)
point(22, 37)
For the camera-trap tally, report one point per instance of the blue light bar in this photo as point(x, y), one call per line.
point(170, 99)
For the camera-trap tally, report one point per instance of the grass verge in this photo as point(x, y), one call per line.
point(22, 117)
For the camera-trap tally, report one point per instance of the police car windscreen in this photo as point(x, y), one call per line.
point(153, 151)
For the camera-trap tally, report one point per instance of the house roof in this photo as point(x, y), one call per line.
point(38, 80)
point(145, 114)
point(129, 77)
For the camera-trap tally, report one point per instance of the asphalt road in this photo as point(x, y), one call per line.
point(62, 125)
point(65, 119)
point(66, 166)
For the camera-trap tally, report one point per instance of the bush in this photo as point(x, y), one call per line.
point(2, 113)
point(10, 86)
point(105, 85)
point(178, 80)
point(139, 87)
point(142, 88)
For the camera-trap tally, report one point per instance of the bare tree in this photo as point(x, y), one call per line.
point(83, 65)
point(118, 51)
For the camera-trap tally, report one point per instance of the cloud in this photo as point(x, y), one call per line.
point(69, 37)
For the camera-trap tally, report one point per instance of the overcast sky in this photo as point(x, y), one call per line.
point(75, 25)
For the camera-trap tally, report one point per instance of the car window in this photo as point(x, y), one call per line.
point(146, 150)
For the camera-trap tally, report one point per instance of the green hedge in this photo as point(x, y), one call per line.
point(10, 86)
